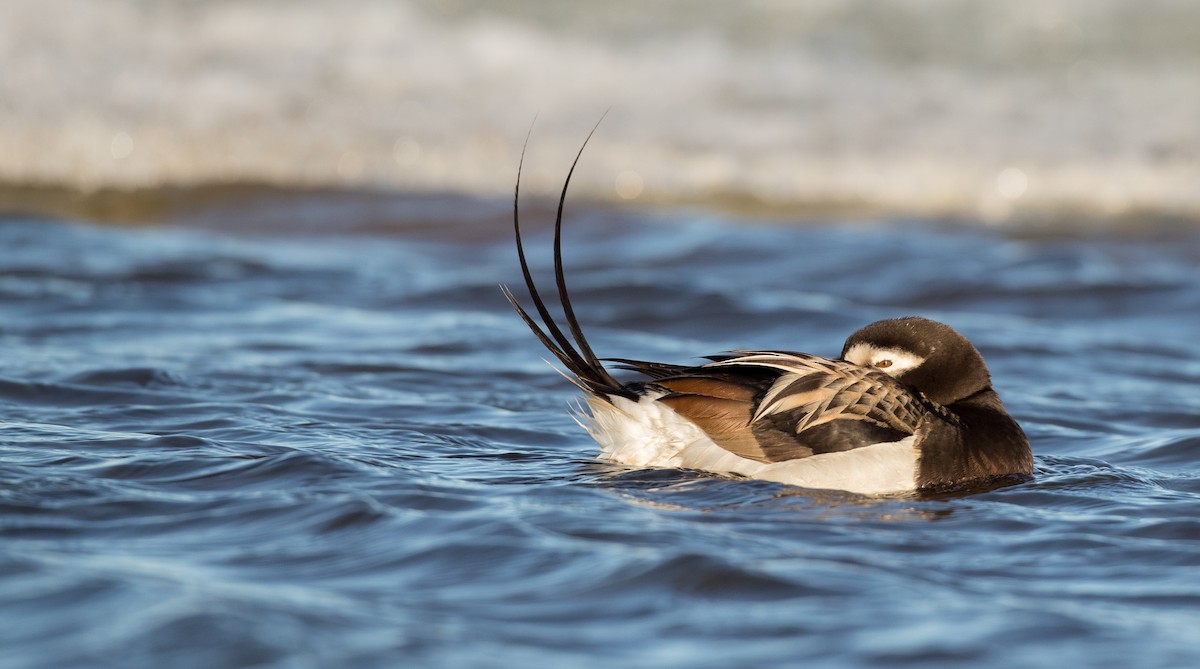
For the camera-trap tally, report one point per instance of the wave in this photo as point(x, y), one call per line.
point(1041, 111)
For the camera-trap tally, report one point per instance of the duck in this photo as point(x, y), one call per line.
point(907, 407)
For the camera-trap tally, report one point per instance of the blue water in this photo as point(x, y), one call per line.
point(314, 435)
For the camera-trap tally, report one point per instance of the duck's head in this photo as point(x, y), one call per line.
point(927, 355)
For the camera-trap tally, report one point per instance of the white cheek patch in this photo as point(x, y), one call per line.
point(869, 356)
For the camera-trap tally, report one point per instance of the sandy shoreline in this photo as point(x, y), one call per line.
point(241, 208)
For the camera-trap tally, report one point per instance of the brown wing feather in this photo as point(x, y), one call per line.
point(721, 407)
point(805, 405)
point(818, 390)
point(711, 387)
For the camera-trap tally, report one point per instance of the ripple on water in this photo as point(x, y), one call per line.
point(290, 450)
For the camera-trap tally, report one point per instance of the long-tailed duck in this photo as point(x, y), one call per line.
point(909, 405)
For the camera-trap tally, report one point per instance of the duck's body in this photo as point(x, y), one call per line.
point(807, 421)
point(908, 405)
point(648, 433)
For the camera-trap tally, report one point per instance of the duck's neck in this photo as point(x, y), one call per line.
point(986, 443)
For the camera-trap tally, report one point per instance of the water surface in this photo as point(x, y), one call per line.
point(321, 438)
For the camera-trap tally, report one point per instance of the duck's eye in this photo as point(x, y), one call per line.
point(883, 364)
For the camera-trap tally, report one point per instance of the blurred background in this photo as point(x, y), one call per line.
point(1029, 109)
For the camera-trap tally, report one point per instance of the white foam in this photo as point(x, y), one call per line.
point(921, 107)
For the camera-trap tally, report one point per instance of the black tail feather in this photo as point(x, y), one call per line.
point(577, 355)
point(654, 370)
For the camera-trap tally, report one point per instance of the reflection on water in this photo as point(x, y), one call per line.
point(245, 441)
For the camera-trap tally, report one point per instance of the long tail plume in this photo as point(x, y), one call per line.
point(573, 352)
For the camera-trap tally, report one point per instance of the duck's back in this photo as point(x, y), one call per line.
point(788, 417)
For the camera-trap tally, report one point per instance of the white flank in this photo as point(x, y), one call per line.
point(648, 434)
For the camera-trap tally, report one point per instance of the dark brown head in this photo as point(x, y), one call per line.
point(929, 356)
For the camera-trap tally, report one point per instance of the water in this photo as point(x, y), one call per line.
point(309, 432)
